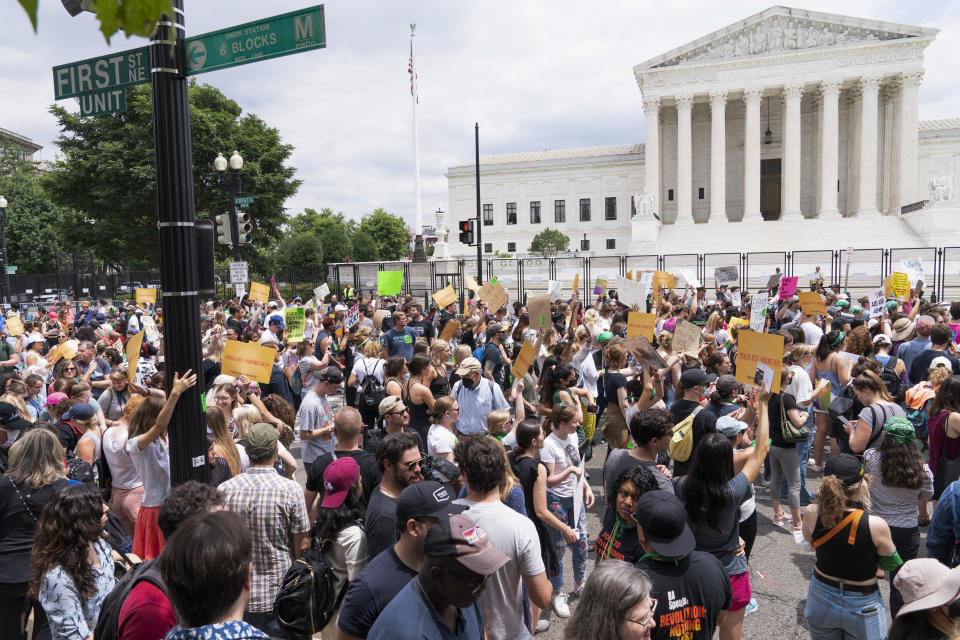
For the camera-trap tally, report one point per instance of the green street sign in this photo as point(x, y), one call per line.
point(11, 269)
point(111, 71)
point(245, 202)
point(98, 103)
point(281, 35)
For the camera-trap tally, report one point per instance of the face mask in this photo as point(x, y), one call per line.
point(468, 383)
point(953, 609)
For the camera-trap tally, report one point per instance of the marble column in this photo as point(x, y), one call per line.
point(909, 142)
point(890, 111)
point(852, 186)
point(869, 88)
point(829, 146)
point(651, 151)
point(790, 208)
point(751, 155)
point(684, 158)
point(718, 156)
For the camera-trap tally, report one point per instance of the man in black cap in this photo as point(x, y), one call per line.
point(11, 423)
point(495, 359)
point(691, 588)
point(316, 419)
point(441, 602)
point(693, 386)
point(418, 508)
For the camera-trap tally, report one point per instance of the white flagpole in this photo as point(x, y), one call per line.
point(414, 94)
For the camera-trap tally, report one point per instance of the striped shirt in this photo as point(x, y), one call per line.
point(897, 506)
point(274, 510)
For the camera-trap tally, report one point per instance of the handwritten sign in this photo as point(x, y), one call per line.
point(758, 311)
point(449, 329)
point(877, 303)
point(899, 285)
point(753, 348)
point(555, 290)
point(812, 303)
point(493, 294)
point(321, 292)
point(295, 320)
point(523, 360)
point(150, 327)
point(538, 310)
point(690, 278)
point(389, 283)
point(633, 293)
point(239, 290)
point(788, 287)
point(661, 280)
point(259, 292)
point(353, 316)
point(726, 274)
point(132, 352)
point(600, 285)
point(643, 351)
point(445, 296)
point(14, 326)
point(736, 299)
point(239, 273)
point(146, 296)
point(686, 338)
point(247, 359)
point(640, 324)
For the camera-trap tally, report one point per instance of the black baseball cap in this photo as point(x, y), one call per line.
point(10, 417)
point(844, 467)
point(693, 378)
point(664, 522)
point(425, 498)
point(331, 374)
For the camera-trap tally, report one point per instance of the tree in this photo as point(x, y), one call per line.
point(389, 234)
point(549, 242)
point(298, 250)
point(107, 175)
point(332, 231)
point(133, 17)
point(364, 247)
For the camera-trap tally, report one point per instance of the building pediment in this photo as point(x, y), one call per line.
point(781, 31)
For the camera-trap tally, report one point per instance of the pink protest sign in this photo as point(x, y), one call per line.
point(788, 287)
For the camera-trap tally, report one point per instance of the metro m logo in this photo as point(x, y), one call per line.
point(303, 28)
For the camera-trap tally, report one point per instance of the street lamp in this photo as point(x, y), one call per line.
point(3, 249)
point(231, 188)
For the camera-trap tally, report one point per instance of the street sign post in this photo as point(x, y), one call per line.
point(111, 71)
point(244, 202)
point(281, 35)
point(103, 101)
point(239, 273)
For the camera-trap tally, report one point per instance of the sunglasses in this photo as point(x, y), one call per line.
point(410, 466)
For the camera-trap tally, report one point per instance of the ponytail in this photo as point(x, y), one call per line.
point(833, 497)
point(561, 413)
point(828, 343)
point(870, 381)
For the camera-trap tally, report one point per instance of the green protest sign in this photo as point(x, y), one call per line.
point(389, 283)
point(295, 319)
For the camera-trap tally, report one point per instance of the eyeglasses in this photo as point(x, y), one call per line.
point(410, 466)
point(646, 621)
point(69, 368)
point(398, 413)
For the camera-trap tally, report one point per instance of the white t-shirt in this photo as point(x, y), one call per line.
point(562, 454)
point(515, 536)
point(122, 470)
point(373, 366)
point(153, 466)
point(800, 387)
point(440, 440)
point(812, 333)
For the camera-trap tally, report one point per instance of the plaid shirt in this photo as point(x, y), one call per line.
point(274, 510)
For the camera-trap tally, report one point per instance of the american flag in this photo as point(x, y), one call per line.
point(414, 89)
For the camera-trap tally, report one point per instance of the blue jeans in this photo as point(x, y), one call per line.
point(562, 508)
point(836, 614)
point(803, 453)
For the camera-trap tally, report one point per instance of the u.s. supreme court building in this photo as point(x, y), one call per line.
point(789, 130)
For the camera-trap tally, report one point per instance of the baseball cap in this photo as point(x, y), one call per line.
point(664, 522)
point(32, 338)
point(925, 583)
point(388, 404)
point(459, 536)
point(494, 329)
point(55, 398)
point(881, 338)
point(277, 320)
point(425, 498)
point(940, 361)
point(844, 467)
point(729, 426)
point(692, 378)
point(468, 365)
point(261, 439)
point(10, 417)
point(338, 479)
point(272, 305)
point(726, 385)
point(81, 411)
point(331, 374)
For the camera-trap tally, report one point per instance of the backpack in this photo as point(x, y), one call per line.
point(108, 621)
point(681, 442)
point(371, 392)
point(296, 381)
point(306, 600)
point(918, 417)
point(478, 352)
point(895, 385)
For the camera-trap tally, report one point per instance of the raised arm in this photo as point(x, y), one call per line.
point(159, 427)
point(755, 462)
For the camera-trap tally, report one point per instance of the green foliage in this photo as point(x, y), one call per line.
point(332, 231)
point(364, 247)
point(388, 232)
point(30, 6)
point(107, 175)
point(298, 250)
point(549, 242)
point(133, 17)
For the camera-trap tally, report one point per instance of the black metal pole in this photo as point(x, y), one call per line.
point(234, 231)
point(178, 248)
point(476, 147)
point(3, 242)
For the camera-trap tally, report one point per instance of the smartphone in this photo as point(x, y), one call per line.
point(593, 409)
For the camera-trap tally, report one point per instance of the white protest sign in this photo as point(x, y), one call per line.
point(239, 288)
point(758, 311)
point(632, 293)
point(735, 299)
point(726, 274)
point(767, 373)
point(876, 303)
point(353, 316)
point(239, 273)
point(913, 267)
point(321, 292)
point(689, 278)
point(555, 289)
point(646, 279)
point(578, 491)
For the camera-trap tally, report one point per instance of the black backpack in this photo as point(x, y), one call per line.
point(108, 621)
point(307, 600)
point(371, 392)
point(895, 385)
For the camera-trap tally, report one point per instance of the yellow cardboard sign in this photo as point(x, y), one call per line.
point(259, 292)
point(493, 294)
point(247, 359)
point(630, 274)
point(576, 282)
point(811, 303)
point(753, 347)
point(523, 360)
point(738, 322)
point(662, 279)
point(886, 287)
point(14, 326)
point(538, 310)
point(641, 324)
point(133, 354)
point(471, 283)
point(445, 296)
point(449, 329)
point(146, 295)
point(899, 285)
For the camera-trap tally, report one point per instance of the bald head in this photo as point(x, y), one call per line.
point(347, 425)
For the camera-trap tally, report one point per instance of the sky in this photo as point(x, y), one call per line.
point(535, 75)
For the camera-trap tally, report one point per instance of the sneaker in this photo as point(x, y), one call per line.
point(577, 592)
point(560, 605)
point(814, 466)
point(752, 607)
point(542, 625)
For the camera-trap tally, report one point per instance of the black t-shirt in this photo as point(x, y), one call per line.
point(373, 440)
point(371, 591)
point(423, 327)
point(612, 381)
point(919, 367)
point(773, 412)
point(17, 526)
point(380, 523)
point(369, 473)
point(491, 354)
point(705, 422)
point(618, 540)
point(690, 594)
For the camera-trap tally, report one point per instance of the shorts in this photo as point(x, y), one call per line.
point(147, 538)
point(741, 593)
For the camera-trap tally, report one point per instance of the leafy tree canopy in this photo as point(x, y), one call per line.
point(133, 17)
point(549, 242)
point(389, 234)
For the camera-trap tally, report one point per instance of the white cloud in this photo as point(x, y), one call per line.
point(535, 75)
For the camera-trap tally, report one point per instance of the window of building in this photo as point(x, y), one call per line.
point(535, 212)
point(584, 209)
point(610, 209)
point(488, 247)
point(488, 215)
point(511, 247)
point(611, 243)
point(670, 195)
point(700, 193)
point(511, 213)
point(584, 245)
point(559, 211)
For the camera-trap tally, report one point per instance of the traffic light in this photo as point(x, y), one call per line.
point(223, 229)
point(244, 228)
point(466, 232)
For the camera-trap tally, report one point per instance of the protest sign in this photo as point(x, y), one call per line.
point(913, 267)
point(239, 290)
point(69, 349)
point(378, 317)
point(754, 347)
point(259, 292)
point(640, 324)
point(686, 338)
point(523, 360)
point(774, 281)
point(353, 316)
point(811, 303)
point(738, 322)
point(445, 296)
point(788, 287)
point(538, 310)
point(633, 293)
point(321, 292)
point(132, 352)
point(644, 353)
point(146, 296)
point(899, 285)
point(150, 327)
point(629, 275)
point(449, 329)
point(471, 283)
point(493, 293)
point(758, 311)
point(295, 320)
point(600, 285)
point(726, 274)
point(555, 290)
point(766, 374)
point(660, 280)
point(239, 273)
point(14, 326)
point(247, 359)
point(690, 278)
point(389, 283)
point(576, 284)
point(876, 303)
point(736, 299)
point(887, 287)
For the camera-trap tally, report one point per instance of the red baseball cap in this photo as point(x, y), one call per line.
point(338, 479)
